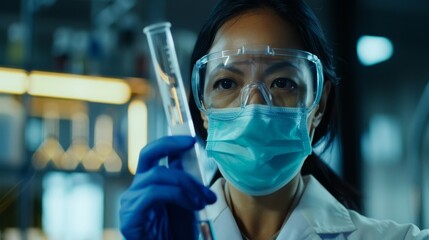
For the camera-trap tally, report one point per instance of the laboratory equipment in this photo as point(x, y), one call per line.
point(79, 146)
point(175, 104)
point(50, 151)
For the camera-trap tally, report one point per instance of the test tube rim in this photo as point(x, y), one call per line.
point(156, 27)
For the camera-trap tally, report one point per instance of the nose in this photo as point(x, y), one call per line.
point(255, 97)
point(255, 93)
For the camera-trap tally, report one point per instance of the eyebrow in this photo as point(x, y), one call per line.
point(284, 64)
point(228, 68)
point(271, 69)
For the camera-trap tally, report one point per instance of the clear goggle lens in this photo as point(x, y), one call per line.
point(257, 75)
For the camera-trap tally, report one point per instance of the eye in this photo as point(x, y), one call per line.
point(224, 83)
point(284, 83)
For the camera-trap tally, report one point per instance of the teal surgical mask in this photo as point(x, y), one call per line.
point(258, 149)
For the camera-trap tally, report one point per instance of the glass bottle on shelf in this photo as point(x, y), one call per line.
point(50, 151)
point(79, 147)
point(103, 152)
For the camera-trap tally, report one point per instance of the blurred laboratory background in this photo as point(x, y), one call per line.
point(78, 100)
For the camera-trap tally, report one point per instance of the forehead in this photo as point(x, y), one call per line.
point(258, 27)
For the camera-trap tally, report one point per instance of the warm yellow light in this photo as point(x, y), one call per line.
point(13, 81)
point(87, 88)
point(137, 132)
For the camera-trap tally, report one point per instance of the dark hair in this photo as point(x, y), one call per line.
point(302, 17)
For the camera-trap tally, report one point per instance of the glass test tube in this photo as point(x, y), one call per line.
point(175, 103)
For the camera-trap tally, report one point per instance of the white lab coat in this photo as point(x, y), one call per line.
point(318, 215)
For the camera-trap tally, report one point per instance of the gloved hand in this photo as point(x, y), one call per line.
point(160, 202)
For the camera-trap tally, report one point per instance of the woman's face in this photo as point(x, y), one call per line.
point(263, 27)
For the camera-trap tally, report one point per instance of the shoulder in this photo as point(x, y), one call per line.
point(384, 229)
point(325, 216)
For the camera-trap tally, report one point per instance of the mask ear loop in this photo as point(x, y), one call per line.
point(247, 90)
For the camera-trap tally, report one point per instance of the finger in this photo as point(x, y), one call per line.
point(137, 207)
point(138, 213)
point(166, 146)
point(135, 225)
point(174, 164)
point(145, 199)
point(163, 176)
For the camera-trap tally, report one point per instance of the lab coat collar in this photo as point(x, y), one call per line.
point(322, 212)
point(222, 218)
point(317, 213)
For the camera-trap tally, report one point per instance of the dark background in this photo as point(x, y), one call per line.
point(378, 103)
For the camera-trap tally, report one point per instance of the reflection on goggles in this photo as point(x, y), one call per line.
point(286, 78)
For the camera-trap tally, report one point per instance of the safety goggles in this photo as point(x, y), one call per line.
point(257, 75)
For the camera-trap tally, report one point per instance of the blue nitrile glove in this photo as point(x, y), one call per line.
point(160, 202)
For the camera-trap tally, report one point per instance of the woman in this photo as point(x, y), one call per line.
point(262, 100)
